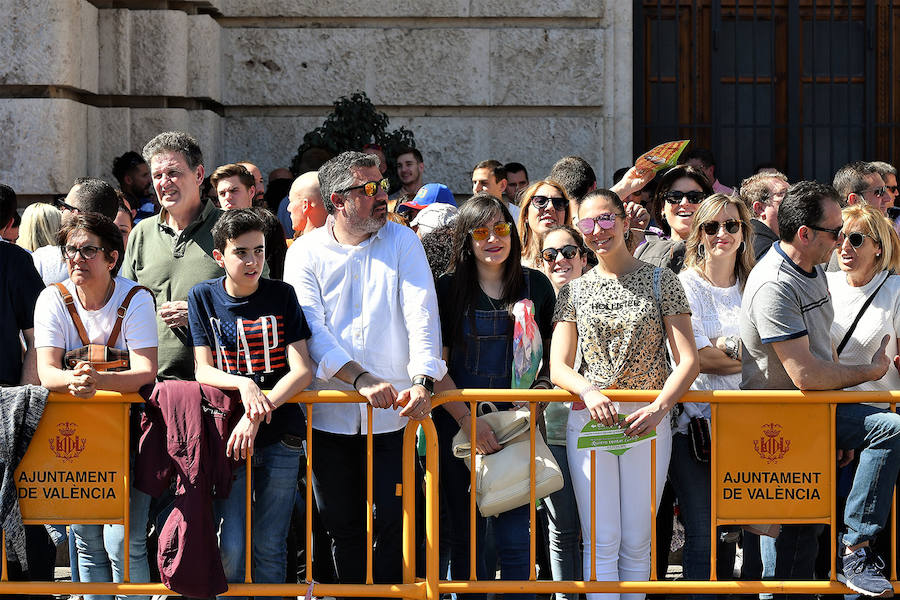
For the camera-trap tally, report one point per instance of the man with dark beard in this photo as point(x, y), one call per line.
point(368, 296)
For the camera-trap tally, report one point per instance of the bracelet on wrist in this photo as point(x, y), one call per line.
point(357, 379)
point(588, 388)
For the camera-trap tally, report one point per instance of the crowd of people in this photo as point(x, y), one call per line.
point(219, 299)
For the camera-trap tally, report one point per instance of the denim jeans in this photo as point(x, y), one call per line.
point(691, 482)
point(877, 432)
point(275, 469)
point(565, 549)
point(101, 548)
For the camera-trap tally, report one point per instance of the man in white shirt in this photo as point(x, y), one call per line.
point(368, 295)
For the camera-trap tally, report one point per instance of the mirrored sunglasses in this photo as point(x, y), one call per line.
point(606, 221)
point(370, 188)
point(483, 233)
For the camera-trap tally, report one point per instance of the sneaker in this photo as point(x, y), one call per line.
point(861, 571)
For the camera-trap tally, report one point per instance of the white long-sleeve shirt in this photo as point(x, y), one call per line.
point(373, 303)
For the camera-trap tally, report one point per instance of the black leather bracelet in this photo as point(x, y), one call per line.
point(425, 381)
point(357, 378)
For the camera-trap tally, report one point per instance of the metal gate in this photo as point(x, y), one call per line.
point(806, 86)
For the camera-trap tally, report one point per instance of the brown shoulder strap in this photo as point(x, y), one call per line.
point(122, 310)
point(73, 312)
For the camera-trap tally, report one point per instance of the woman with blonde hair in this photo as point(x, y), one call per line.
point(867, 290)
point(40, 224)
point(543, 204)
point(718, 259)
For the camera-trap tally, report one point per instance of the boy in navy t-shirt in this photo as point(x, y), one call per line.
point(250, 334)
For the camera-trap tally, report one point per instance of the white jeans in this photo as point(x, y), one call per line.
point(622, 502)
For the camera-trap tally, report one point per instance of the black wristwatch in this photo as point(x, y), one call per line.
point(425, 381)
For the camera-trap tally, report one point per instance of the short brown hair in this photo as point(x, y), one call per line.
point(99, 225)
point(495, 166)
point(232, 170)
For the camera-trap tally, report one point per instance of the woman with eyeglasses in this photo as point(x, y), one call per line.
point(92, 248)
point(565, 258)
point(477, 297)
point(678, 195)
point(718, 259)
point(867, 290)
point(543, 204)
point(618, 318)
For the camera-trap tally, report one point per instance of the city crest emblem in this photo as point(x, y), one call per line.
point(67, 445)
point(771, 446)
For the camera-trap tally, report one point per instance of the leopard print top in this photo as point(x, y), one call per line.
point(620, 334)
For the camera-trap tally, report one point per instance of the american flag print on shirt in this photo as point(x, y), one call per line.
point(250, 347)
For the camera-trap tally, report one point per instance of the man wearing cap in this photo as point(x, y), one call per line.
point(428, 194)
point(433, 216)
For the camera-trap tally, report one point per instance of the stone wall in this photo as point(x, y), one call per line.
point(524, 80)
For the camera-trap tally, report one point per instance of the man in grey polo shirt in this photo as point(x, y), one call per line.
point(786, 316)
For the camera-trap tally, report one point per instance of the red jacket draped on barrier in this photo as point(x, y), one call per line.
point(184, 430)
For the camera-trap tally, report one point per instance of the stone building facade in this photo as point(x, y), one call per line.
point(82, 81)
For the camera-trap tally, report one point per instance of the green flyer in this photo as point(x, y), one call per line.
point(612, 439)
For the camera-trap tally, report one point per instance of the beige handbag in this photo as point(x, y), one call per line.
point(502, 480)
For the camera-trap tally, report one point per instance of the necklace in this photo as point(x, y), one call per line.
point(488, 296)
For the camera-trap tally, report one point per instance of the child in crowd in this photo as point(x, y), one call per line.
point(250, 334)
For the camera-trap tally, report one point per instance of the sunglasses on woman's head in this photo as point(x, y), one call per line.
point(541, 202)
point(606, 221)
point(483, 233)
point(856, 238)
point(712, 227)
point(673, 197)
point(568, 252)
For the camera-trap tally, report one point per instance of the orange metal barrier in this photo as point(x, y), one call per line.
point(431, 586)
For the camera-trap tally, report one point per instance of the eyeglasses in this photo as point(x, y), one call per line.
point(856, 238)
point(61, 205)
point(482, 233)
point(712, 227)
point(673, 197)
point(877, 192)
point(370, 188)
point(87, 252)
point(891, 188)
point(568, 252)
point(834, 232)
point(541, 202)
point(605, 221)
